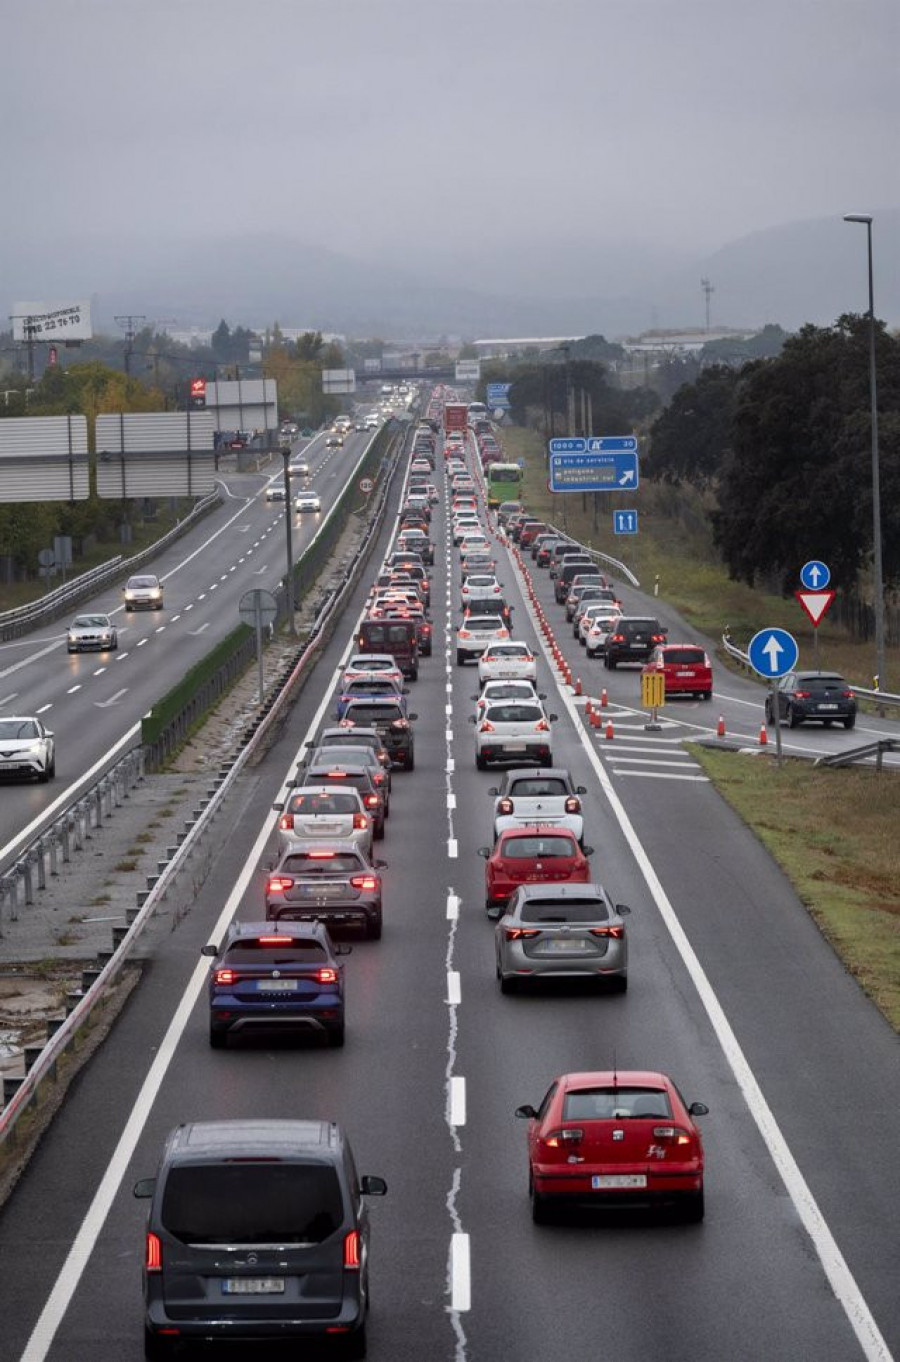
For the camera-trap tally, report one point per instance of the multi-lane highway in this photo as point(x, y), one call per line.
point(91, 701)
point(732, 991)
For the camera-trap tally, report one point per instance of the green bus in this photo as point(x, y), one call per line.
point(504, 483)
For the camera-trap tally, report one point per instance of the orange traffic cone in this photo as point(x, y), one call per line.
point(594, 718)
point(609, 730)
point(578, 685)
point(589, 710)
point(720, 727)
point(763, 736)
point(604, 700)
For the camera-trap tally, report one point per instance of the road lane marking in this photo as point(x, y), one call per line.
point(43, 709)
point(452, 907)
point(73, 689)
point(651, 761)
point(454, 988)
point(113, 699)
point(660, 775)
point(9, 698)
point(457, 1101)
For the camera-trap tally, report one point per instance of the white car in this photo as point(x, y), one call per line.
point(95, 633)
point(372, 664)
point(473, 543)
point(300, 468)
point(599, 632)
point(317, 813)
point(464, 524)
point(476, 634)
point(530, 795)
point(27, 748)
point(479, 586)
point(492, 691)
point(307, 501)
point(143, 592)
point(585, 617)
point(512, 661)
point(275, 491)
point(513, 730)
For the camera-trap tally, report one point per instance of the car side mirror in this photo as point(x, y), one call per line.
point(381, 865)
point(553, 718)
point(484, 851)
point(542, 695)
point(472, 719)
point(581, 789)
point(372, 1186)
point(526, 1113)
point(622, 909)
point(494, 790)
point(211, 949)
point(698, 1109)
point(588, 851)
point(404, 690)
point(495, 913)
point(343, 950)
point(144, 1187)
point(412, 717)
point(278, 808)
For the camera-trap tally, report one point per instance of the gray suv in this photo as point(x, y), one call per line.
point(257, 1230)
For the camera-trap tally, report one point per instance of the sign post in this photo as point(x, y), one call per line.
point(773, 653)
point(257, 608)
point(815, 600)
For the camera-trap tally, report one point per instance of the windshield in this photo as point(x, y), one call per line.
point(11, 729)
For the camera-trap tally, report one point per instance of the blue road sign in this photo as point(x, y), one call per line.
point(773, 652)
point(571, 444)
point(583, 472)
point(815, 575)
point(498, 394)
point(612, 444)
point(625, 522)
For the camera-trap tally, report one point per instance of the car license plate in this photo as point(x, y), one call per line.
point(278, 985)
point(514, 746)
point(617, 1180)
point(565, 945)
point(253, 1286)
point(321, 891)
point(686, 674)
point(827, 706)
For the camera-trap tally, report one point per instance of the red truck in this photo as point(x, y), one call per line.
point(456, 417)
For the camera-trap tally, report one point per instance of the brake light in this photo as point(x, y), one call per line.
point(505, 806)
point(617, 638)
point(153, 1253)
point(573, 805)
point(278, 883)
point(371, 802)
point(847, 694)
point(802, 694)
point(368, 882)
point(672, 1133)
point(327, 975)
point(486, 726)
point(503, 633)
point(617, 932)
point(657, 638)
point(377, 777)
point(286, 822)
point(319, 856)
point(360, 820)
point(465, 633)
point(558, 1138)
point(542, 726)
point(520, 933)
point(351, 1251)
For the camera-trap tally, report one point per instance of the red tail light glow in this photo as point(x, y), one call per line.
point(278, 883)
point(286, 822)
point(318, 856)
point(557, 1139)
point(520, 933)
point(486, 726)
point(365, 882)
point(617, 932)
point(153, 1254)
point(801, 694)
point(360, 820)
point(847, 694)
point(542, 726)
point(371, 801)
point(326, 975)
point(274, 940)
point(351, 1251)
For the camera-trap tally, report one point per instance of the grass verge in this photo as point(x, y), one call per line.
point(834, 833)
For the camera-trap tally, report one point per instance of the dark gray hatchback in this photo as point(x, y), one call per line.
point(257, 1230)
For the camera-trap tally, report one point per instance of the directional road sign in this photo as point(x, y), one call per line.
point(593, 472)
point(612, 444)
point(815, 603)
point(571, 444)
point(815, 575)
point(625, 522)
point(773, 652)
point(498, 396)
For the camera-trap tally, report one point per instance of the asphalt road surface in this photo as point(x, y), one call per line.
point(732, 992)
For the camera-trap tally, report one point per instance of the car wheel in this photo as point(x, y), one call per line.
point(157, 1349)
point(414, 675)
point(480, 762)
point(217, 1037)
point(378, 832)
point(850, 721)
point(51, 769)
point(460, 658)
point(793, 717)
point(71, 650)
point(373, 930)
point(336, 1035)
point(508, 985)
point(128, 609)
point(768, 714)
point(610, 663)
point(410, 762)
point(355, 1345)
point(590, 651)
point(694, 1208)
point(619, 984)
point(541, 1211)
point(826, 723)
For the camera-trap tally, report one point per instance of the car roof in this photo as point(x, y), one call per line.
point(575, 892)
point(621, 1077)
point(538, 830)
point(300, 931)
point(254, 1136)
point(536, 773)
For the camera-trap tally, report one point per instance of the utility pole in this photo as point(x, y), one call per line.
point(127, 324)
point(708, 288)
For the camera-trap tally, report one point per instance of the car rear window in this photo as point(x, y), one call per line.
point(509, 650)
point(640, 626)
point(371, 714)
point(541, 848)
point(482, 622)
point(514, 714)
point(536, 786)
point(243, 1202)
point(823, 683)
point(683, 657)
point(605, 1104)
point(324, 775)
point(564, 910)
point(370, 688)
point(249, 951)
point(333, 802)
point(306, 863)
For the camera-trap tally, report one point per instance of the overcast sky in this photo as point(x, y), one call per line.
point(437, 129)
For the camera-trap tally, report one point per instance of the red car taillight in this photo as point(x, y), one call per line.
point(657, 638)
point(542, 726)
point(801, 694)
point(505, 806)
point(368, 882)
point(520, 933)
point(400, 723)
point(617, 932)
point(286, 822)
point(673, 1133)
point(465, 633)
point(278, 883)
point(326, 975)
point(153, 1253)
point(486, 727)
point(226, 976)
point(617, 638)
point(351, 1251)
point(371, 801)
point(573, 804)
point(559, 1139)
point(360, 820)
point(847, 694)
point(377, 777)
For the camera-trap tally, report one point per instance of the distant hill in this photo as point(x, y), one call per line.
point(803, 271)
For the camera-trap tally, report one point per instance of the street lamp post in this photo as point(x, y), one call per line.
point(877, 571)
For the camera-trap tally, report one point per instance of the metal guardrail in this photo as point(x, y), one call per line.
point(63, 1039)
point(854, 754)
point(14, 623)
point(877, 697)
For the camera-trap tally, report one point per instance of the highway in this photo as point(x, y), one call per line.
point(732, 991)
point(92, 701)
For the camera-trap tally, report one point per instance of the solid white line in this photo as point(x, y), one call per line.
point(839, 1276)
point(457, 1101)
point(70, 1274)
point(460, 1274)
point(451, 801)
point(454, 988)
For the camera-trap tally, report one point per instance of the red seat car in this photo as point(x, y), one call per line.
point(613, 1139)
point(686, 668)
point(542, 854)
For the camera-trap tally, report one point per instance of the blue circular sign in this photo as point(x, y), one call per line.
point(773, 652)
point(815, 575)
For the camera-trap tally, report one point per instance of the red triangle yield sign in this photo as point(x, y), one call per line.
point(815, 603)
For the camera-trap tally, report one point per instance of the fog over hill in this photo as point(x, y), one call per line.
point(802, 271)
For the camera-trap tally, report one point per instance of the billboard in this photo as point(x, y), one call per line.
point(468, 370)
point(44, 458)
point(51, 321)
point(339, 380)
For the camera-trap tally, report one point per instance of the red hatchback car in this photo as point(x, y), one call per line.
point(686, 668)
point(542, 854)
point(611, 1139)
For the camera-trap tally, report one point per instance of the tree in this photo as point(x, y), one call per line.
point(691, 438)
point(220, 342)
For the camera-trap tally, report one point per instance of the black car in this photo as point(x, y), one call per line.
point(329, 881)
point(823, 697)
point(261, 980)
point(494, 605)
point(633, 640)
point(257, 1230)
point(388, 719)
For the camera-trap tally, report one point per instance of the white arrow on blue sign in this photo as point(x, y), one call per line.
point(815, 575)
point(773, 652)
point(625, 522)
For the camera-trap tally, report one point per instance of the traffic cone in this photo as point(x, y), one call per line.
point(578, 685)
point(589, 710)
point(594, 718)
point(763, 736)
point(720, 727)
point(604, 699)
point(609, 730)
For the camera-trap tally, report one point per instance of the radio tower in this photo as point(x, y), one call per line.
point(127, 324)
point(708, 288)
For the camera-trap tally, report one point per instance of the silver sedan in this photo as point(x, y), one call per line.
point(566, 931)
point(95, 633)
